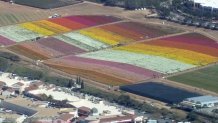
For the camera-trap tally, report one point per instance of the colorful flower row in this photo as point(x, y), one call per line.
point(52, 26)
point(112, 73)
point(186, 56)
point(31, 30)
point(45, 48)
point(138, 31)
point(17, 33)
point(154, 63)
point(5, 42)
point(37, 29)
point(105, 36)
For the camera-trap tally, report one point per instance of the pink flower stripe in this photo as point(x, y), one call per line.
point(5, 41)
point(194, 38)
point(68, 23)
point(127, 67)
point(107, 70)
point(60, 46)
point(81, 20)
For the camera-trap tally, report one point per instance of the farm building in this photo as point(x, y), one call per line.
point(200, 102)
point(19, 109)
point(205, 5)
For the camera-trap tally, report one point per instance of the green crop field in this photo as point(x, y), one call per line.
point(8, 18)
point(205, 78)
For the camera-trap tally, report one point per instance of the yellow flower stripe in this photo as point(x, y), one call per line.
point(105, 36)
point(37, 29)
point(52, 26)
point(185, 56)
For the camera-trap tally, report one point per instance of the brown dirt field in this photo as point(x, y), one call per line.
point(99, 77)
point(27, 52)
point(11, 14)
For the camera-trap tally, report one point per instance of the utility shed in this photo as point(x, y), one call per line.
point(201, 101)
point(17, 108)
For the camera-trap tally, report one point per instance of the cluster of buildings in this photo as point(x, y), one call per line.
point(73, 106)
point(205, 105)
point(204, 5)
point(200, 102)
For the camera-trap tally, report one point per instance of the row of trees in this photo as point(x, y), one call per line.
point(123, 100)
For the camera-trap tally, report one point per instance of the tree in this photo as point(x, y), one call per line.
point(50, 98)
point(82, 85)
point(78, 80)
point(70, 83)
point(130, 4)
point(94, 110)
point(110, 2)
point(43, 97)
point(3, 64)
point(192, 116)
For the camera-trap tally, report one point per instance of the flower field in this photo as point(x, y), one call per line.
point(138, 31)
point(107, 72)
point(154, 63)
point(185, 56)
point(5, 42)
point(45, 48)
point(105, 36)
point(49, 27)
point(17, 33)
point(66, 24)
point(123, 33)
point(33, 50)
point(82, 41)
point(166, 55)
point(96, 53)
point(138, 61)
point(60, 46)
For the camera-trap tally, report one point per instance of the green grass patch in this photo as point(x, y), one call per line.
point(205, 78)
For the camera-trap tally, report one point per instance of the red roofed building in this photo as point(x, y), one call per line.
point(17, 86)
point(64, 118)
point(84, 111)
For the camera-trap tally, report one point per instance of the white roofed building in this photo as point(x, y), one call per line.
point(201, 101)
point(204, 5)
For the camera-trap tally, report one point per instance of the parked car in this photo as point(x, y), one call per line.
point(189, 22)
point(216, 27)
point(212, 26)
point(196, 23)
point(205, 24)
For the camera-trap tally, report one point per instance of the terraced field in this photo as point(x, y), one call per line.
point(45, 48)
point(107, 72)
point(32, 30)
point(159, 57)
point(17, 33)
point(105, 53)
